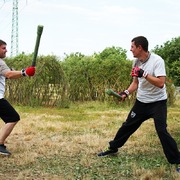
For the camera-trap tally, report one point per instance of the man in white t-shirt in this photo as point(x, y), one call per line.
point(149, 77)
point(7, 113)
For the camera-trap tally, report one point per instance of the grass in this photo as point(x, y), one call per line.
point(55, 144)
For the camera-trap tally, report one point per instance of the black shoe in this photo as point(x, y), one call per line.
point(3, 150)
point(178, 168)
point(108, 151)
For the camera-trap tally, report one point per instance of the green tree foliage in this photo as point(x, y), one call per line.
point(112, 53)
point(175, 72)
point(47, 87)
point(90, 76)
point(75, 78)
point(113, 68)
point(170, 52)
point(74, 66)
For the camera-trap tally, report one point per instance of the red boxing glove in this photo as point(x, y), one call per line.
point(30, 71)
point(138, 72)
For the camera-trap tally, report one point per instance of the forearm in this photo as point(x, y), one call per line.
point(133, 86)
point(30, 71)
point(13, 74)
point(156, 81)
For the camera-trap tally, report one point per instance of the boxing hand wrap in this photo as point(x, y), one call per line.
point(126, 93)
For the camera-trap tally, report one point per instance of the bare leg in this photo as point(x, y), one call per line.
point(5, 131)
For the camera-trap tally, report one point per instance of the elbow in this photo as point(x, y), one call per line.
point(8, 75)
point(161, 82)
point(161, 85)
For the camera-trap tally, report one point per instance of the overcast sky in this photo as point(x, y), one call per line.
point(89, 26)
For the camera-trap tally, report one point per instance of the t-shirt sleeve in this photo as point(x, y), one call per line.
point(160, 69)
point(3, 67)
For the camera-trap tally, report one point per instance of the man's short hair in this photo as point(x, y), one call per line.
point(141, 40)
point(2, 42)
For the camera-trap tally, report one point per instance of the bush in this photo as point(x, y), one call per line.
point(76, 78)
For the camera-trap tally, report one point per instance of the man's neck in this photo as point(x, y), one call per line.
point(145, 56)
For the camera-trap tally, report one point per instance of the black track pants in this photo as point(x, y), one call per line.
point(138, 114)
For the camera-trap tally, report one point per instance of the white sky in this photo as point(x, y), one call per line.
point(89, 26)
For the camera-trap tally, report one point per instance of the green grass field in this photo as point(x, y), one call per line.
point(58, 144)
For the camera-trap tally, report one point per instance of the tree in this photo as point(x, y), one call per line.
point(170, 52)
point(111, 53)
point(176, 72)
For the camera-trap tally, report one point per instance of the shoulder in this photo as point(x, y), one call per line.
point(2, 62)
point(156, 57)
point(3, 67)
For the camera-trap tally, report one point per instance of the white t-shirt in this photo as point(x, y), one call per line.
point(3, 68)
point(147, 92)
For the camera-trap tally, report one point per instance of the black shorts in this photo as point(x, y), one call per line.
point(7, 112)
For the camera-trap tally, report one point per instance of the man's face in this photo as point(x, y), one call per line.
point(135, 50)
point(3, 51)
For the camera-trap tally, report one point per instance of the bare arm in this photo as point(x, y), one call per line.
point(156, 81)
point(133, 86)
point(13, 74)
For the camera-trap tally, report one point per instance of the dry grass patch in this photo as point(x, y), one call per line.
point(63, 144)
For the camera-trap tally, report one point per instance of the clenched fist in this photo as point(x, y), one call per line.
point(138, 72)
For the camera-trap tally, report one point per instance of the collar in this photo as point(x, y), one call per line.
point(149, 54)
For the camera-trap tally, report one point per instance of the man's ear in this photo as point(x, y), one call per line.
point(140, 47)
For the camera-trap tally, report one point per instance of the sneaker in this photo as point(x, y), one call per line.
point(3, 150)
point(108, 151)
